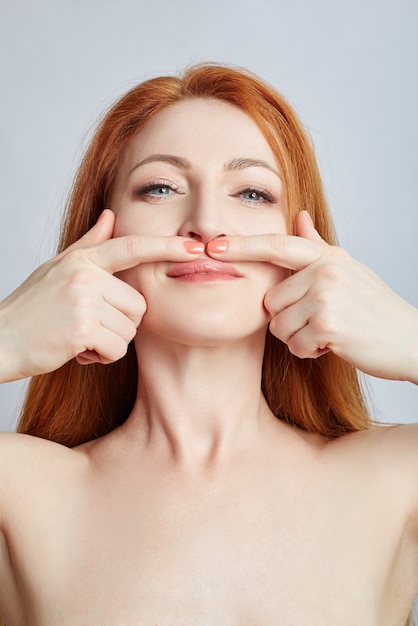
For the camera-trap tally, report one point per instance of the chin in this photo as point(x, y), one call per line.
point(203, 315)
point(204, 328)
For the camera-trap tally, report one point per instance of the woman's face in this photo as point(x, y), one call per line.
point(201, 169)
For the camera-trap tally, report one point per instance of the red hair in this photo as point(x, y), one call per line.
point(77, 403)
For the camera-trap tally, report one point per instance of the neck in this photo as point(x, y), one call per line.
point(199, 404)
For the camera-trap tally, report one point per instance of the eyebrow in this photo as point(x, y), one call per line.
point(184, 164)
point(165, 158)
point(242, 164)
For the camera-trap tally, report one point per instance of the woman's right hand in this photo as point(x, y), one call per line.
point(73, 306)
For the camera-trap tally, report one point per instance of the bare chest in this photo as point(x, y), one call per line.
point(238, 556)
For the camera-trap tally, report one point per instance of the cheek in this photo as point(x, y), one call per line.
point(128, 224)
point(139, 276)
point(144, 221)
point(263, 222)
point(272, 275)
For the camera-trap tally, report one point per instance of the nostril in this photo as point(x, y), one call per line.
point(204, 237)
point(194, 236)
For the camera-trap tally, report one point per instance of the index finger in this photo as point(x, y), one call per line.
point(287, 251)
point(121, 253)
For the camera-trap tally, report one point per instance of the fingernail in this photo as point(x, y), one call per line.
point(194, 247)
point(100, 216)
point(217, 245)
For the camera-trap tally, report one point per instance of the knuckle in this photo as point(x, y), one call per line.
point(82, 331)
point(327, 271)
point(133, 331)
point(129, 331)
point(340, 253)
point(133, 246)
point(277, 244)
point(136, 309)
point(296, 348)
point(333, 264)
point(276, 329)
point(325, 327)
point(321, 299)
point(269, 300)
point(81, 278)
point(303, 347)
point(119, 350)
point(140, 308)
point(71, 256)
point(137, 318)
point(241, 245)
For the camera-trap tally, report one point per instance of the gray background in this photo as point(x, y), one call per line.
point(349, 67)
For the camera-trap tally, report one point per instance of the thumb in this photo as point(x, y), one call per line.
point(304, 227)
point(101, 231)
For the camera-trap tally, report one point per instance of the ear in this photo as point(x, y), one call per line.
point(304, 227)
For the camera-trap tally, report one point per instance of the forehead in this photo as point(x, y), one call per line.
point(201, 129)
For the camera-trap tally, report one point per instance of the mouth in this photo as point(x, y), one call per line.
point(204, 270)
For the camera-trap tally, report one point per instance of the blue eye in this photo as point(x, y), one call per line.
point(157, 190)
point(257, 196)
point(160, 191)
point(252, 195)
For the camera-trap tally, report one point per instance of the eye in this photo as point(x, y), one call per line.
point(255, 195)
point(157, 190)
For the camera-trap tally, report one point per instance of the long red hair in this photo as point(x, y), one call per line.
point(77, 403)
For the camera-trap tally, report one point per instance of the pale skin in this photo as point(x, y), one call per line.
point(203, 508)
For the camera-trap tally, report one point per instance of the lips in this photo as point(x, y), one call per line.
point(204, 269)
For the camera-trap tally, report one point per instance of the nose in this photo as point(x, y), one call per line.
point(203, 221)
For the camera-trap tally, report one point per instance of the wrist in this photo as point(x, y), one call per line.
point(411, 350)
point(9, 361)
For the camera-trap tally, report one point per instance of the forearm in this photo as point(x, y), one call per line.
point(411, 351)
point(10, 356)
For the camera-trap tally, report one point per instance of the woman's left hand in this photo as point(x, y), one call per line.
point(332, 303)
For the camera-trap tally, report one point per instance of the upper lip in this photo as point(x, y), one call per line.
point(203, 266)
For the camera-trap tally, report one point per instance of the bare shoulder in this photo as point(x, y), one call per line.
point(38, 478)
point(401, 447)
point(29, 463)
point(391, 452)
point(18, 451)
point(399, 441)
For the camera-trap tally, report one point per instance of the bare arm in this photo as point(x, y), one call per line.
point(11, 608)
point(32, 473)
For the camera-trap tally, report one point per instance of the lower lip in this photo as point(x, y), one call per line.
point(202, 277)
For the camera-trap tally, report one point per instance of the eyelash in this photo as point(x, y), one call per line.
point(161, 184)
point(266, 196)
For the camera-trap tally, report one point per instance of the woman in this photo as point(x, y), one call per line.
point(177, 496)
